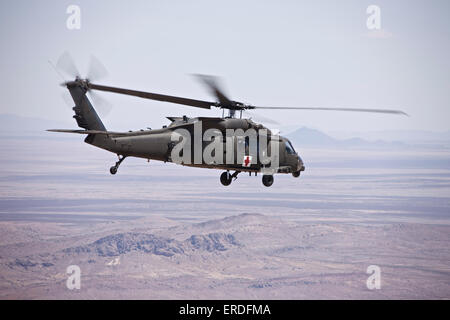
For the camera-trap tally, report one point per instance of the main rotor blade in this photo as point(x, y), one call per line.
point(211, 83)
point(334, 109)
point(155, 96)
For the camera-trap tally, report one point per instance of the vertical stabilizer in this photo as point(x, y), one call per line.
point(85, 114)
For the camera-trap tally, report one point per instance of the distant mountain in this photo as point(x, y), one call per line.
point(306, 137)
point(122, 243)
point(232, 221)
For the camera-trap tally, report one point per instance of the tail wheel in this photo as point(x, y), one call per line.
point(225, 178)
point(267, 180)
point(296, 174)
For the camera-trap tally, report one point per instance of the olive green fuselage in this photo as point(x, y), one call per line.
point(158, 144)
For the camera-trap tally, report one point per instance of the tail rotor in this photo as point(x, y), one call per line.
point(96, 71)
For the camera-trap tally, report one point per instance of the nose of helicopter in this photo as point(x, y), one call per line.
point(300, 164)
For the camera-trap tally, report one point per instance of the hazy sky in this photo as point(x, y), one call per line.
point(269, 53)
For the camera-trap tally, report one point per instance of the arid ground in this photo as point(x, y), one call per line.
point(161, 231)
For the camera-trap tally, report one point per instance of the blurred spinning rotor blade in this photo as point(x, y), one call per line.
point(67, 65)
point(97, 70)
point(334, 109)
point(212, 83)
point(67, 99)
point(102, 105)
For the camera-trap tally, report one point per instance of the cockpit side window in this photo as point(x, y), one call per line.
point(289, 148)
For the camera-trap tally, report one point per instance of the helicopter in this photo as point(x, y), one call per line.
point(247, 146)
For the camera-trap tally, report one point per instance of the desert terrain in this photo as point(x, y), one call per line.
point(161, 231)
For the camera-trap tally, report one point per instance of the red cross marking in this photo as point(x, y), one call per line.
point(247, 161)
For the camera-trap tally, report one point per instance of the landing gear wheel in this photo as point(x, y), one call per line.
point(113, 170)
point(267, 180)
point(296, 174)
point(225, 178)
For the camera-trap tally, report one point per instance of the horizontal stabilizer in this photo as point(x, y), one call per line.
point(85, 131)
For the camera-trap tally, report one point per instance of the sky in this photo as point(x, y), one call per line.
point(267, 53)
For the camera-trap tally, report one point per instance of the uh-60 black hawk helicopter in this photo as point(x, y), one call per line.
point(161, 144)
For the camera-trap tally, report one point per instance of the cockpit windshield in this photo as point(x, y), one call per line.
point(289, 147)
